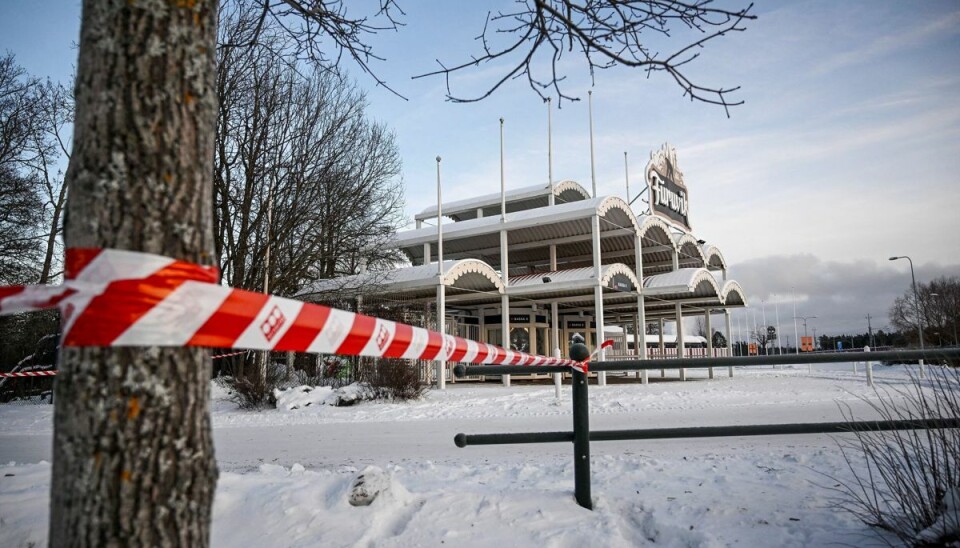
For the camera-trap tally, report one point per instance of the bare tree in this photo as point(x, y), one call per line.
point(936, 304)
point(300, 172)
point(654, 35)
point(20, 206)
point(33, 116)
point(133, 456)
point(761, 336)
point(49, 145)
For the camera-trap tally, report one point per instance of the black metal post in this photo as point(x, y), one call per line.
point(581, 441)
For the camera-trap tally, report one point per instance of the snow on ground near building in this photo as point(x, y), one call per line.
point(286, 474)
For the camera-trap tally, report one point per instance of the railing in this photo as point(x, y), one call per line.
point(581, 436)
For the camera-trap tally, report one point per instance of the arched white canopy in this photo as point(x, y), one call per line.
point(682, 283)
point(691, 254)
point(460, 276)
point(714, 259)
point(732, 295)
point(656, 240)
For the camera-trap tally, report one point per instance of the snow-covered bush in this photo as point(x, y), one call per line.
point(300, 397)
point(907, 482)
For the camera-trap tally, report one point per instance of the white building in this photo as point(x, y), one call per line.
point(547, 261)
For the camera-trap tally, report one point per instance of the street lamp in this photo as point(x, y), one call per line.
point(916, 300)
point(804, 318)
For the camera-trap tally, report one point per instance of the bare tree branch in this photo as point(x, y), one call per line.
point(608, 34)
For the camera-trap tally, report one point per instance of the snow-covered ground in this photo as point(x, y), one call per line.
point(286, 474)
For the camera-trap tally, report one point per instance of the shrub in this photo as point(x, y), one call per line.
point(907, 482)
point(394, 379)
point(252, 391)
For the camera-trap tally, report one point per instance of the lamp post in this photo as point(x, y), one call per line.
point(916, 300)
point(804, 319)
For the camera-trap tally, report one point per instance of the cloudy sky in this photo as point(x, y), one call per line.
point(846, 151)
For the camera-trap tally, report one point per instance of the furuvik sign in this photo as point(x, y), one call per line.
point(668, 193)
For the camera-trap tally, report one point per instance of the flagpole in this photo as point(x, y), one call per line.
point(593, 172)
point(441, 289)
point(550, 197)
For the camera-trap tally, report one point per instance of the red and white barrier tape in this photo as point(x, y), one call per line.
point(125, 298)
point(29, 374)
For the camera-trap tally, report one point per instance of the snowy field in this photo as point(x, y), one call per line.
point(286, 474)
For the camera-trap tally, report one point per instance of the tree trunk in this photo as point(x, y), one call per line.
point(133, 454)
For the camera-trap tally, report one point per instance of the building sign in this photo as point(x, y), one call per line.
point(668, 193)
point(806, 344)
point(576, 325)
point(621, 283)
point(752, 349)
point(514, 318)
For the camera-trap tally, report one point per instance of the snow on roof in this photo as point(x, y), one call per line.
point(520, 220)
point(577, 278)
point(465, 273)
point(466, 209)
point(684, 280)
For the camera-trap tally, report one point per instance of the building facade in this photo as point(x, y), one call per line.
point(531, 267)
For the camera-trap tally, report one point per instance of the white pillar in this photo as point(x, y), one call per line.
point(426, 253)
point(663, 348)
point(505, 299)
point(554, 309)
point(706, 316)
point(726, 314)
point(680, 346)
point(441, 289)
point(869, 368)
point(555, 327)
point(598, 295)
point(640, 334)
point(442, 328)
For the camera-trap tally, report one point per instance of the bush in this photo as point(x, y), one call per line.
point(908, 481)
point(375, 379)
point(252, 391)
point(394, 379)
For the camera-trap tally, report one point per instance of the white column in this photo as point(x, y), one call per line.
point(726, 314)
point(663, 348)
point(555, 310)
point(706, 316)
point(598, 295)
point(505, 299)
point(640, 335)
point(426, 253)
point(419, 223)
point(676, 258)
point(680, 346)
point(442, 328)
point(555, 327)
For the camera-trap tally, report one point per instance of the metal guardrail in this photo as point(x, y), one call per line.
point(581, 436)
point(737, 361)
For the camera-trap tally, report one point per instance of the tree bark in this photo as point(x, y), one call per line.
point(133, 453)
